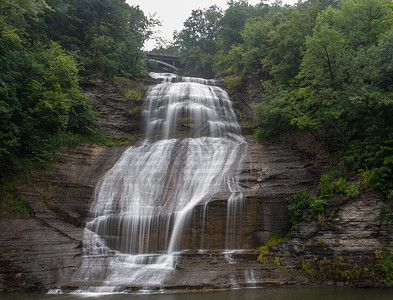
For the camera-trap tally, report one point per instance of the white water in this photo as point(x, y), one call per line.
point(192, 151)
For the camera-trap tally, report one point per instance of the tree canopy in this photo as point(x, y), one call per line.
point(44, 46)
point(324, 66)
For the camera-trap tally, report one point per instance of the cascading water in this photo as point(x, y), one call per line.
point(192, 151)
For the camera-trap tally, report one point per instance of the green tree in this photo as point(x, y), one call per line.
point(197, 41)
point(232, 22)
point(325, 59)
point(39, 90)
point(40, 99)
point(46, 101)
point(286, 42)
point(365, 20)
point(109, 34)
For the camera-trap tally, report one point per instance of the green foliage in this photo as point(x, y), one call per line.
point(231, 23)
point(382, 211)
point(326, 187)
point(306, 268)
point(128, 89)
point(350, 189)
point(273, 111)
point(229, 62)
point(297, 203)
point(383, 215)
point(42, 108)
point(12, 201)
point(197, 41)
point(377, 178)
point(109, 35)
point(329, 185)
point(135, 95)
point(327, 68)
point(365, 20)
point(274, 240)
point(45, 100)
point(317, 207)
point(233, 82)
point(385, 263)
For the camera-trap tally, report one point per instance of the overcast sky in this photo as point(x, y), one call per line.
point(173, 13)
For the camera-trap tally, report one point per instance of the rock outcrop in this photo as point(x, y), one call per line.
point(271, 173)
point(45, 248)
point(344, 246)
point(120, 115)
point(47, 245)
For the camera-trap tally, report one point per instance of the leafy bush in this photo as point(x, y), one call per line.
point(274, 240)
point(233, 82)
point(385, 263)
point(350, 189)
point(383, 215)
point(326, 186)
point(297, 204)
point(377, 178)
point(329, 185)
point(46, 101)
point(317, 207)
point(135, 95)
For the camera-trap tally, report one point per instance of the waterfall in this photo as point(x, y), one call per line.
point(192, 151)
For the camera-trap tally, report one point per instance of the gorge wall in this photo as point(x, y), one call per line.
point(40, 250)
point(45, 248)
point(349, 244)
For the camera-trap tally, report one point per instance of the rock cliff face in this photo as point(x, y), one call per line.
point(46, 248)
point(39, 251)
point(120, 116)
point(272, 172)
point(344, 246)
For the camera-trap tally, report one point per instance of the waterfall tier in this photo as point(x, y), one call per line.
point(192, 152)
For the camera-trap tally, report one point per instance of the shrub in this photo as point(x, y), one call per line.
point(326, 186)
point(377, 178)
point(135, 95)
point(297, 204)
point(383, 215)
point(317, 206)
point(233, 82)
point(274, 240)
point(350, 189)
point(385, 263)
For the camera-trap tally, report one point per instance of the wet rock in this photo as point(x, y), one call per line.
point(346, 242)
point(47, 246)
point(119, 116)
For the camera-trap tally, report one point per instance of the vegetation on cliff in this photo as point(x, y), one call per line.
point(323, 66)
point(324, 69)
point(44, 46)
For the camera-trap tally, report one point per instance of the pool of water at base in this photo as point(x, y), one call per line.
point(247, 294)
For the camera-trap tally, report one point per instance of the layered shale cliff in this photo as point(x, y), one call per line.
point(350, 243)
point(41, 250)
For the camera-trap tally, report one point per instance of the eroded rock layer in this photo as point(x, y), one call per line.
point(46, 247)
